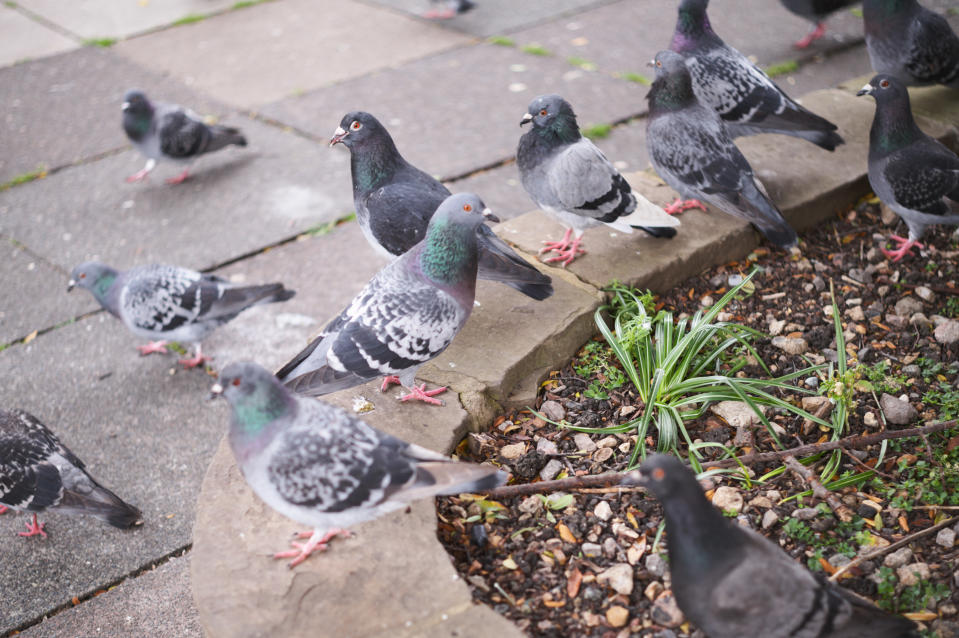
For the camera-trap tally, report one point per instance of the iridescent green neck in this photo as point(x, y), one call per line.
point(447, 251)
point(563, 127)
point(253, 412)
point(102, 285)
point(375, 166)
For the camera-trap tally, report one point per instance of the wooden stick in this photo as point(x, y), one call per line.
point(607, 479)
point(818, 489)
point(883, 550)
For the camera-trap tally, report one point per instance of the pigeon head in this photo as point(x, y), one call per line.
point(135, 101)
point(450, 248)
point(666, 477)
point(357, 127)
point(691, 22)
point(893, 127)
point(885, 89)
point(137, 115)
point(95, 277)
point(673, 87)
point(552, 115)
point(256, 397)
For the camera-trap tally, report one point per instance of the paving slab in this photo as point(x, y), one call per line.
point(491, 17)
point(65, 108)
point(142, 431)
point(25, 39)
point(288, 47)
point(933, 102)
point(108, 19)
point(500, 189)
point(236, 201)
point(158, 602)
point(33, 294)
point(458, 111)
point(392, 579)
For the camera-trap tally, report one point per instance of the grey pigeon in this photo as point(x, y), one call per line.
point(743, 95)
point(171, 303)
point(733, 583)
point(912, 173)
point(570, 179)
point(816, 11)
point(171, 132)
point(405, 316)
point(690, 149)
point(448, 9)
point(323, 467)
point(394, 201)
point(38, 473)
point(911, 43)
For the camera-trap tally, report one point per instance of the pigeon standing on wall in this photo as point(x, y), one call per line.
point(690, 149)
point(568, 177)
point(911, 43)
point(394, 202)
point(446, 9)
point(171, 303)
point(171, 132)
point(816, 11)
point(743, 95)
point(405, 316)
point(321, 466)
point(912, 173)
point(733, 583)
point(38, 473)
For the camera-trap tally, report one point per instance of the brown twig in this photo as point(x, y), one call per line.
point(866, 467)
point(612, 479)
point(888, 548)
point(808, 424)
point(818, 489)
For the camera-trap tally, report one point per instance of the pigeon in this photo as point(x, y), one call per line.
point(816, 11)
point(171, 132)
point(322, 466)
point(912, 173)
point(38, 473)
point(747, 100)
point(911, 43)
point(449, 9)
point(691, 150)
point(170, 303)
point(394, 201)
point(732, 583)
point(406, 315)
point(568, 177)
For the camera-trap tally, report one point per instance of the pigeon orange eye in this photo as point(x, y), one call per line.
point(659, 64)
point(236, 381)
point(884, 83)
point(83, 275)
point(356, 126)
point(543, 112)
point(467, 207)
point(659, 474)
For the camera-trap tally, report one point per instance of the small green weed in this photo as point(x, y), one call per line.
point(99, 42)
point(925, 483)
point(597, 131)
point(844, 538)
point(856, 11)
point(536, 49)
point(189, 18)
point(882, 379)
point(951, 309)
point(911, 598)
point(946, 398)
point(245, 4)
point(595, 364)
point(582, 63)
point(23, 178)
point(782, 68)
point(501, 40)
point(638, 78)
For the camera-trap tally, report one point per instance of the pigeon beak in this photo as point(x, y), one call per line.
point(215, 391)
point(124, 106)
point(71, 284)
point(488, 214)
point(526, 119)
point(633, 477)
point(865, 90)
point(338, 136)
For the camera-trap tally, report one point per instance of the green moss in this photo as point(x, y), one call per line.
point(635, 77)
point(501, 40)
point(190, 18)
point(582, 63)
point(856, 11)
point(24, 178)
point(536, 49)
point(782, 68)
point(99, 42)
point(597, 131)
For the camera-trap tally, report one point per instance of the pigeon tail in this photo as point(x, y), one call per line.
point(761, 212)
point(498, 262)
point(647, 214)
point(658, 231)
point(223, 136)
point(103, 504)
point(452, 477)
point(323, 380)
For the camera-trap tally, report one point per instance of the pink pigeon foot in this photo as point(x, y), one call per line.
point(317, 542)
point(388, 381)
point(153, 346)
point(680, 205)
point(179, 178)
point(196, 360)
point(420, 393)
point(34, 529)
point(812, 36)
point(139, 176)
point(439, 14)
point(905, 245)
point(4, 509)
point(566, 250)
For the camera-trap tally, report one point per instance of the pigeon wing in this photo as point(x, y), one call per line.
point(182, 136)
point(923, 184)
point(401, 211)
point(585, 182)
point(933, 49)
point(163, 298)
point(28, 477)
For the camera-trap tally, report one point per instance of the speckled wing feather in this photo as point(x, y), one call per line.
point(28, 477)
point(181, 136)
point(580, 179)
point(922, 177)
point(933, 55)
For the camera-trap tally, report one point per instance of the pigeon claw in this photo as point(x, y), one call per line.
point(388, 381)
point(444, 14)
point(905, 246)
point(567, 250)
point(420, 393)
point(179, 179)
point(812, 36)
point(4, 509)
point(153, 346)
point(139, 176)
point(193, 362)
point(318, 541)
point(680, 205)
point(34, 529)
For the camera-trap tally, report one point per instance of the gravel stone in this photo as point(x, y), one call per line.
point(856, 313)
point(553, 410)
point(869, 420)
point(898, 558)
point(617, 616)
point(946, 538)
point(603, 511)
point(728, 499)
point(805, 513)
point(897, 412)
point(546, 447)
point(666, 611)
point(791, 345)
point(514, 451)
point(947, 333)
point(619, 577)
point(911, 370)
point(925, 294)
point(770, 518)
point(655, 565)
point(583, 442)
point(591, 550)
point(908, 306)
point(551, 469)
point(913, 573)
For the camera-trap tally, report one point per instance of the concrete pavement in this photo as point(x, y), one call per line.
point(285, 72)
